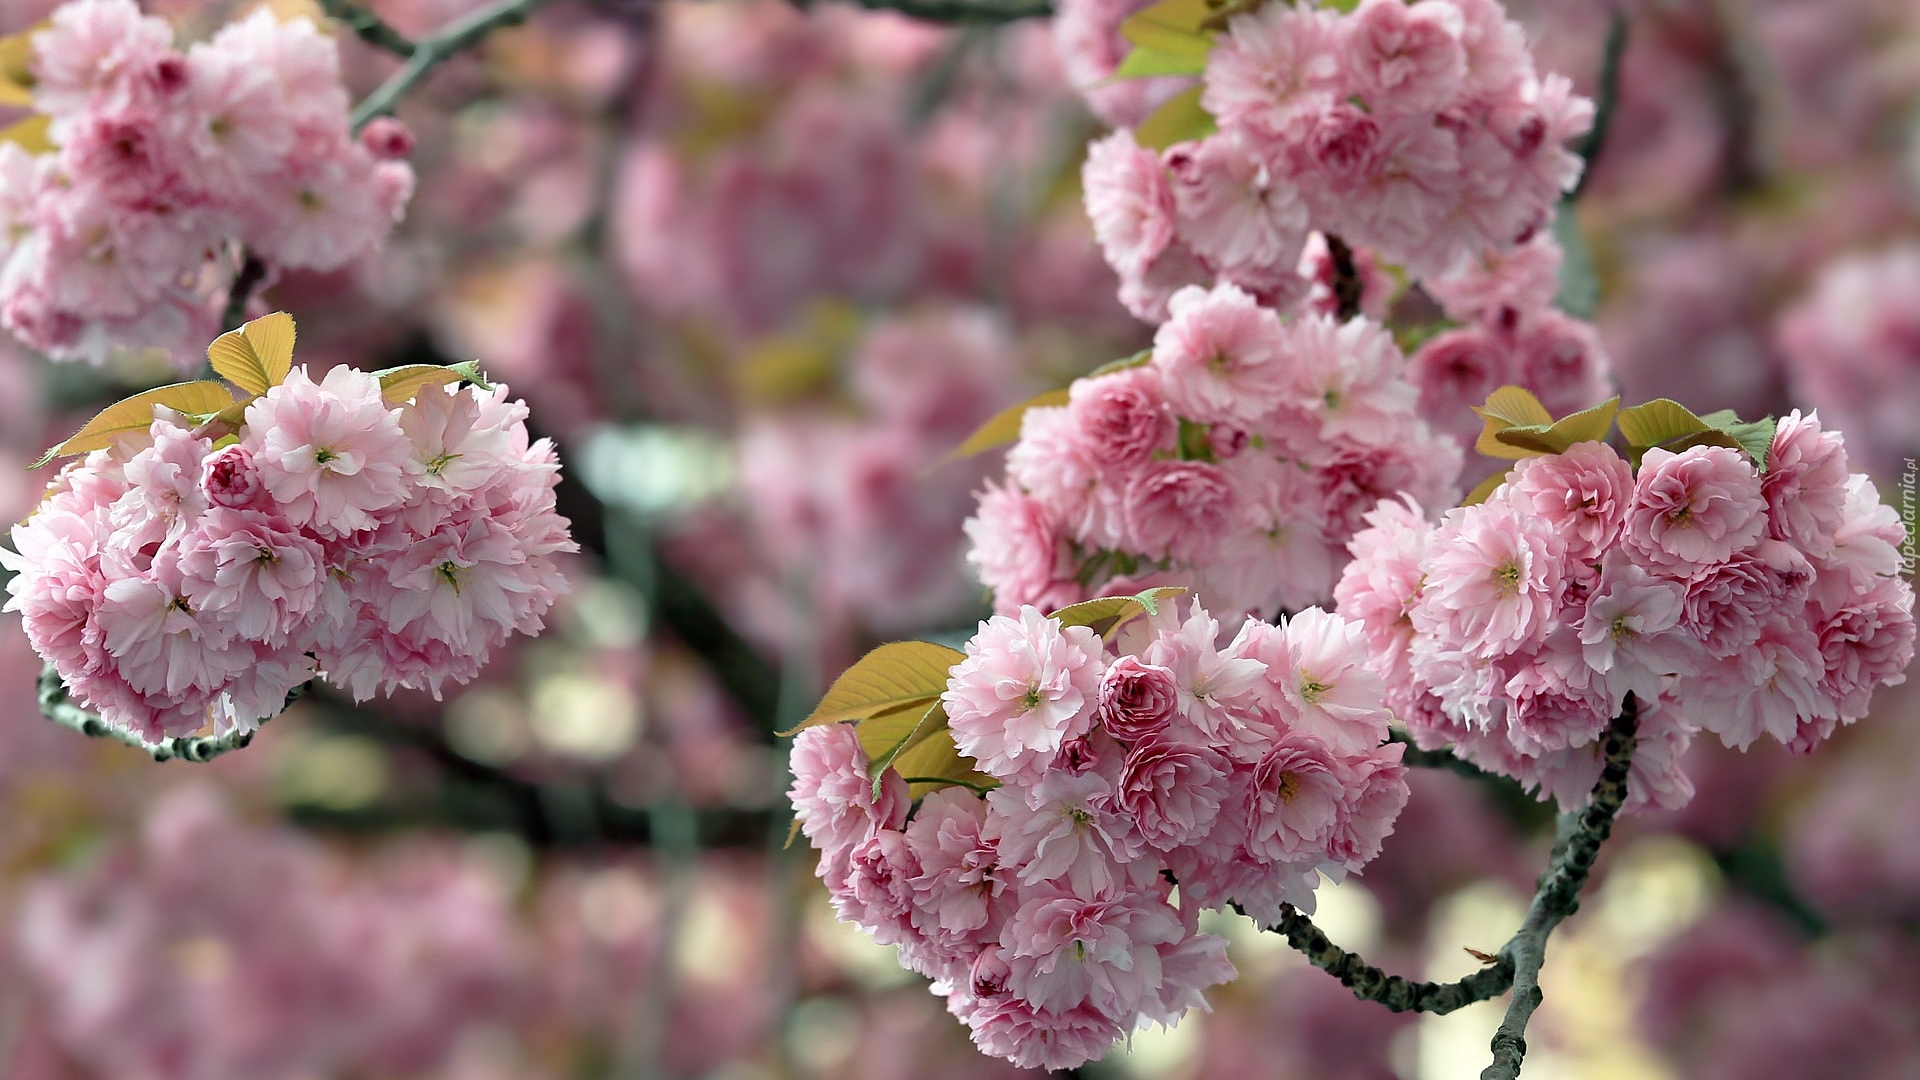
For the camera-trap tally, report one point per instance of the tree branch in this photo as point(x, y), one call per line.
point(1558, 893)
point(964, 11)
point(1517, 965)
point(57, 705)
point(428, 54)
point(1608, 95)
point(1346, 278)
point(369, 27)
point(252, 273)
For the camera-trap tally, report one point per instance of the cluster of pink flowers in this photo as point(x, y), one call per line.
point(1239, 460)
point(215, 950)
point(175, 581)
point(123, 235)
point(1509, 334)
point(1723, 597)
point(1044, 911)
point(1853, 349)
point(1421, 131)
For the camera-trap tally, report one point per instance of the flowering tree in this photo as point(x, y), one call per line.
point(1378, 497)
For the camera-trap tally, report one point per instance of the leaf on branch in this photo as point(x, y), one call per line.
point(1510, 407)
point(1139, 359)
point(1145, 62)
point(399, 384)
point(258, 356)
point(1587, 425)
point(1754, 437)
point(933, 762)
point(1004, 426)
point(29, 134)
point(884, 737)
point(1181, 119)
point(891, 679)
point(201, 400)
point(1172, 27)
point(16, 67)
point(1484, 489)
point(1107, 614)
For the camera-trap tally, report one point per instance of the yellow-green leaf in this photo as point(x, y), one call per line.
point(29, 134)
point(934, 762)
point(1506, 408)
point(1658, 421)
point(1172, 27)
point(889, 679)
point(1180, 120)
point(399, 384)
point(198, 399)
point(16, 67)
point(884, 737)
point(1103, 615)
point(1139, 359)
point(1004, 426)
point(1146, 62)
point(1587, 425)
point(1484, 489)
point(257, 357)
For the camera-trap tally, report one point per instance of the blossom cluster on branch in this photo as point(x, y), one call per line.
point(1045, 911)
point(186, 575)
point(122, 232)
point(1420, 131)
point(1239, 459)
point(1726, 598)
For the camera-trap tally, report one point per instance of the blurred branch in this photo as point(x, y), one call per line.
point(252, 272)
point(964, 11)
point(464, 34)
point(1346, 278)
point(1558, 893)
point(57, 705)
point(369, 27)
point(1608, 97)
point(1517, 965)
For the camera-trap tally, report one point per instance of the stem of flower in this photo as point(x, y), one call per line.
point(427, 54)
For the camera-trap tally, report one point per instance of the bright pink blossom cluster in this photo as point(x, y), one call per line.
point(1238, 460)
point(1044, 912)
point(1723, 597)
point(163, 161)
point(1421, 131)
point(175, 581)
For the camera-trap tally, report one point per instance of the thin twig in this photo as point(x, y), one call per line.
point(1558, 893)
point(369, 27)
point(57, 705)
point(1607, 96)
point(964, 11)
point(1416, 758)
point(429, 53)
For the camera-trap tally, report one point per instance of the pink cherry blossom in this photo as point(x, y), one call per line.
point(1027, 686)
point(1693, 510)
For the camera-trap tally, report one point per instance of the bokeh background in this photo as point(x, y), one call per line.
point(757, 267)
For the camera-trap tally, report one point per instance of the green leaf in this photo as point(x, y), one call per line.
point(1658, 421)
point(30, 134)
point(1579, 292)
point(1484, 489)
point(257, 357)
point(197, 399)
point(891, 737)
point(1145, 62)
point(1106, 614)
point(1139, 359)
point(400, 384)
point(892, 678)
point(1587, 425)
point(934, 762)
point(1180, 120)
point(1507, 408)
point(16, 67)
point(1004, 426)
point(1173, 27)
